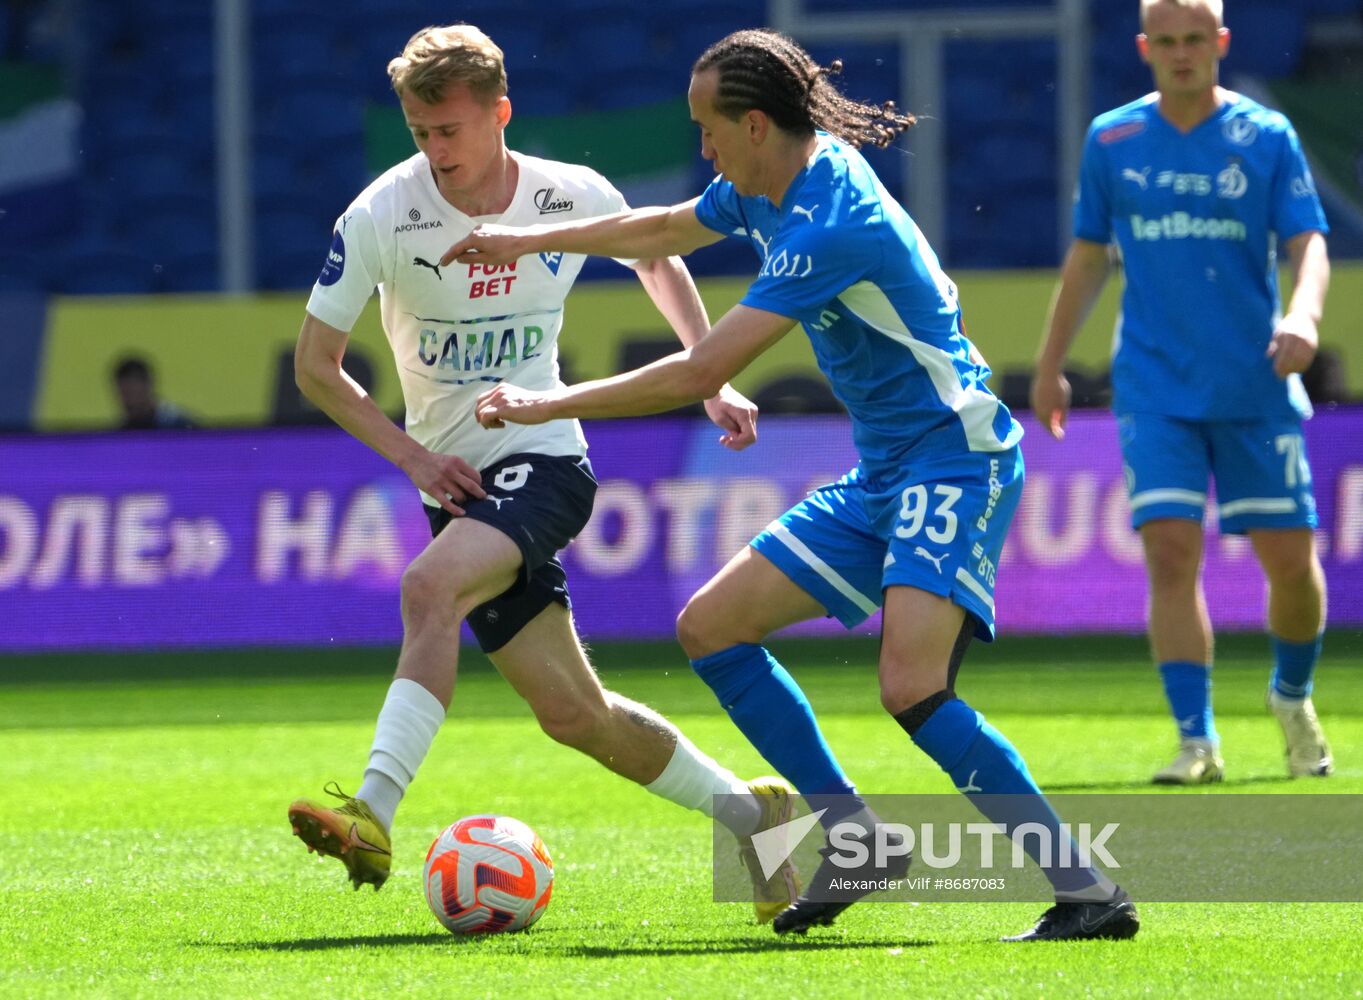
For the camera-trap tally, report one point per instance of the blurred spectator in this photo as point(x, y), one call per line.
point(142, 410)
point(1326, 381)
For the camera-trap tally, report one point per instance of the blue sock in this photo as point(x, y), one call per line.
point(984, 765)
point(1293, 665)
point(769, 709)
point(1188, 686)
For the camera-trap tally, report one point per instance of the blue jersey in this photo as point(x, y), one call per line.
point(1197, 217)
point(843, 257)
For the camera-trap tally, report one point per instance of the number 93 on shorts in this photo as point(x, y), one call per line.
point(939, 528)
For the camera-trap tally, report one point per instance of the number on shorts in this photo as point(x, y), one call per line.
point(913, 512)
point(1295, 469)
point(513, 477)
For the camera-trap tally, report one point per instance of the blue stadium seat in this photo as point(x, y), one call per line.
point(22, 273)
point(1266, 37)
point(169, 228)
point(629, 88)
point(607, 38)
point(541, 91)
point(105, 271)
point(284, 49)
point(151, 172)
point(290, 245)
point(523, 44)
point(191, 272)
point(317, 110)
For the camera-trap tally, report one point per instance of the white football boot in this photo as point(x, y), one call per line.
point(1308, 754)
point(1197, 763)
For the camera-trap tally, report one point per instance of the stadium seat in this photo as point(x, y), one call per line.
point(608, 38)
point(541, 91)
point(106, 271)
point(291, 245)
point(170, 228)
point(191, 272)
point(630, 88)
point(1267, 37)
point(22, 273)
point(152, 172)
point(288, 48)
point(317, 110)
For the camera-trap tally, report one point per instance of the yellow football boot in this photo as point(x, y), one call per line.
point(349, 831)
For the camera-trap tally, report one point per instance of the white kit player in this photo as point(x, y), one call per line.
point(501, 505)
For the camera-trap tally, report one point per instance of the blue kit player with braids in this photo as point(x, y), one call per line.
point(1198, 186)
point(917, 526)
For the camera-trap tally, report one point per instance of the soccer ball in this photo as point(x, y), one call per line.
point(488, 875)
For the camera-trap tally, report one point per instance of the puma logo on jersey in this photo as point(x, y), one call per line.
point(935, 560)
point(1140, 177)
point(423, 262)
point(765, 244)
point(808, 213)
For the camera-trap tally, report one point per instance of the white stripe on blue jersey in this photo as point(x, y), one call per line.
point(843, 257)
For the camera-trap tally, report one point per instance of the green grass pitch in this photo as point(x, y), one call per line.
point(144, 849)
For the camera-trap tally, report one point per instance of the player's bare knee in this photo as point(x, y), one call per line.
point(574, 721)
point(905, 689)
point(1171, 563)
point(703, 629)
point(428, 598)
point(698, 634)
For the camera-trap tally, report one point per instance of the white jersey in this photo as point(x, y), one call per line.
point(455, 331)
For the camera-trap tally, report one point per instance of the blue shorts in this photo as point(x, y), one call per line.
point(1262, 477)
point(939, 528)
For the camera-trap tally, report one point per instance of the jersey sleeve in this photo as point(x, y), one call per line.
point(1296, 206)
point(352, 269)
point(1092, 205)
point(807, 267)
point(718, 209)
point(613, 201)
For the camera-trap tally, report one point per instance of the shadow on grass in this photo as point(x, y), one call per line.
point(546, 945)
point(1149, 786)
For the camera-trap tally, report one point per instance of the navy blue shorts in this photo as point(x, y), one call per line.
point(540, 502)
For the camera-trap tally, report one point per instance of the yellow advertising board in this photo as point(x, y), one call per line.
point(228, 360)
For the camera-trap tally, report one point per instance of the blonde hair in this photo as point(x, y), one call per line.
point(436, 57)
point(1212, 5)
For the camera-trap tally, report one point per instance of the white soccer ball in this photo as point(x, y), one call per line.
point(488, 875)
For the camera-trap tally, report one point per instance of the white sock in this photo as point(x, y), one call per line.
point(408, 722)
point(691, 779)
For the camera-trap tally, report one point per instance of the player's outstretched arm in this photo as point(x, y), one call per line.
point(1081, 281)
point(320, 377)
point(1295, 339)
point(638, 233)
point(685, 377)
point(669, 285)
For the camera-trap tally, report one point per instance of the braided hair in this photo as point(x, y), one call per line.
point(765, 71)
